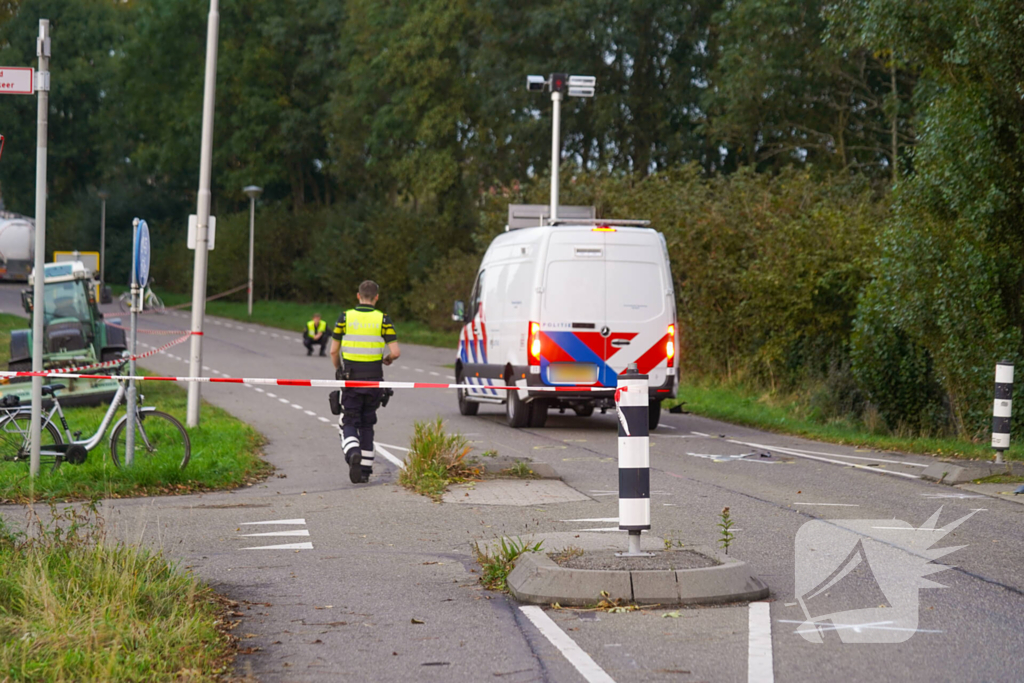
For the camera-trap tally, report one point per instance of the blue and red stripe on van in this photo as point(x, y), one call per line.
point(591, 347)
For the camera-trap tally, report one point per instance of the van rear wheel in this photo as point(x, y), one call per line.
point(584, 411)
point(466, 407)
point(654, 414)
point(538, 413)
point(516, 411)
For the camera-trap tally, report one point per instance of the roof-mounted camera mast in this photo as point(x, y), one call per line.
point(559, 84)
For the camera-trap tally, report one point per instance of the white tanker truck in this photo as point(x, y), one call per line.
point(17, 246)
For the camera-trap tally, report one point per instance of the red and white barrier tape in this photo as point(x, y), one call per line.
point(323, 383)
point(71, 372)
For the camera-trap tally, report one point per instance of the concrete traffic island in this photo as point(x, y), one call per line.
point(692, 576)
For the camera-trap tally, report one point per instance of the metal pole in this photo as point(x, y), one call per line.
point(632, 403)
point(252, 232)
point(129, 443)
point(556, 150)
point(38, 290)
point(1002, 408)
point(103, 240)
point(203, 215)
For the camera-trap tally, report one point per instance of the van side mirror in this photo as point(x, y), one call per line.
point(459, 312)
point(105, 296)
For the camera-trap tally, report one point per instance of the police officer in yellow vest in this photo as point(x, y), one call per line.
point(361, 335)
point(316, 333)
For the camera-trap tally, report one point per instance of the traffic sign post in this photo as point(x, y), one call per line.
point(141, 258)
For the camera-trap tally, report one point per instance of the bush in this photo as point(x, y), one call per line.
point(436, 459)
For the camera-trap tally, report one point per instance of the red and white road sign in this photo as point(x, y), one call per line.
point(17, 80)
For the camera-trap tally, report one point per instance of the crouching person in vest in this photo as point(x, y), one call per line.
point(315, 333)
point(359, 339)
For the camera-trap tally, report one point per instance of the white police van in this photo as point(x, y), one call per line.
point(569, 304)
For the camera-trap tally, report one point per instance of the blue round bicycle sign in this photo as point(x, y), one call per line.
point(143, 254)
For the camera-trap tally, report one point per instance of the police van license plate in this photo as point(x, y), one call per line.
point(572, 373)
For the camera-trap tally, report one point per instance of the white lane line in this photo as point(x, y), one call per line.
point(275, 334)
point(263, 332)
point(587, 667)
point(701, 434)
point(270, 395)
point(310, 413)
point(284, 546)
point(834, 505)
point(275, 521)
point(857, 457)
point(760, 668)
point(206, 367)
point(397, 448)
point(592, 519)
point(419, 369)
point(286, 532)
point(296, 406)
point(435, 374)
point(452, 377)
point(798, 454)
point(284, 400)
point(262, 391)
point(400, 464)
point(665, 426)
point(610, 528)
point(404, 367)
point(323, 419)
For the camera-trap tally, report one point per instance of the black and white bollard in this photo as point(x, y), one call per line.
point(632, 403)
point(1002, 408)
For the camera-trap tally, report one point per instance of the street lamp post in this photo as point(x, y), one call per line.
point(253, 192)
point(559, 84)
point(104, 196)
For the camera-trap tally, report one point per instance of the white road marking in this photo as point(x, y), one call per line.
point(284, 546)
point(419, 369)
point(275, 521)
point(583, 662)
point(664, 426)
point(263, 332)
point(284, 400)
point(310, 413)
point(798, 454)
point(287, 532)
point(835, 505)
point(400, 464)
point(760, 668)
point(607, 528)
point(323, 419)
point(404, 367)
point(296, 406)
point(701, 434)
point(592, 519)
point(877, 626)
point(275, 334)
point(908, 528)
point(262, 391)
point(857, 457)
point(271, 395)
point(949, 495)
point(397, 448)
point(206, 367)
point(435, 374)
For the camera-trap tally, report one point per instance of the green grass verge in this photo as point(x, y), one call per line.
point(291, 316)
point(225, 453)
point(741, 405)
point(73, 608)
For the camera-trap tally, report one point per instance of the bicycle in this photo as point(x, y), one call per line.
point(159, 438)
point(150, 301)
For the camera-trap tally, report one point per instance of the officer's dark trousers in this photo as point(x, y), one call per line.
point(309, 342)
point(359, 414)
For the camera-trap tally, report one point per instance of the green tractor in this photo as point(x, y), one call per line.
point(75, 334)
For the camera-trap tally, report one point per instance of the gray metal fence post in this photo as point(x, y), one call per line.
point(1002, 408)
point(632, 405)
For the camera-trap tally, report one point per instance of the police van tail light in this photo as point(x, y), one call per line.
point(670, 345)
point(534, 341)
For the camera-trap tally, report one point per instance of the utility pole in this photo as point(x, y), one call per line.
point(104, 196)
point(253, 192)
point(203, 215)
point(38, 291)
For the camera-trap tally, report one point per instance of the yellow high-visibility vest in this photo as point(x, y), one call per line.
point(313, 329)
point(362, 341)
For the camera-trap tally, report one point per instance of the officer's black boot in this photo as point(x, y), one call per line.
point(355, 467)
point(367, 466)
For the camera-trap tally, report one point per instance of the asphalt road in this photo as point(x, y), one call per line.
point(383, 559)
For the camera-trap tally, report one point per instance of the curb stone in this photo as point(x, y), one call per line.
point(961, 472)
point(538, 579)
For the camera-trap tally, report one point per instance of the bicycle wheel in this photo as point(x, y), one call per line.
point(125, 302)
point(15, 444)
point(159, 440)
point(156, 304)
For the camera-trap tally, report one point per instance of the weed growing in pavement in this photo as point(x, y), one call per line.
point(520, 471)
point(436, 459)
point(499, 563)
point(725, 535)
point(673, 543)
point(74, 607)
point(489, 454)
point(569, 552)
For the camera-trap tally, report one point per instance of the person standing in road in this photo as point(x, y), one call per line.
point(359, 339)
point(315, 333)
